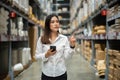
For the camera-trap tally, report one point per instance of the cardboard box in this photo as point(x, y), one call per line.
point(111, 70)
point(100, 55)
point(101, 65)
point(110, 77)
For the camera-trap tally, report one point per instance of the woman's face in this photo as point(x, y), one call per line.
point(54, 24)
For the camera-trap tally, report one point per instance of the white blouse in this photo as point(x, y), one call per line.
point(54, 65)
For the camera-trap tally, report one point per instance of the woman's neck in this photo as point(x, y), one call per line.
point(53, 36)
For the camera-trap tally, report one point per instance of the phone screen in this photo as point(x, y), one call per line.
point(53, 47)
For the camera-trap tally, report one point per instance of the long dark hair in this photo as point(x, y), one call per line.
point(47, 31)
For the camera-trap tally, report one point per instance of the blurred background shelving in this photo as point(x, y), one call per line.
point(95, 24)
point(20, 22)
point(62, 9)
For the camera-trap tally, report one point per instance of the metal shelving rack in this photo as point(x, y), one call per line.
point(110, 36)
point(99, 37)
point(10, 39)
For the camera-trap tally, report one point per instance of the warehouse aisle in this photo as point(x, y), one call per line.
point(78, 69)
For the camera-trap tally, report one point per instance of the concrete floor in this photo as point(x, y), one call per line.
point(78, 69)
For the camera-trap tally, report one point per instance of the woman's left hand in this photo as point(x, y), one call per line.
point(72, 41)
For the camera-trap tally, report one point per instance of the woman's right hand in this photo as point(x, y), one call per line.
point(49, 53)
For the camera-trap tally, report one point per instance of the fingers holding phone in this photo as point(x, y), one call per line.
point(51, 51)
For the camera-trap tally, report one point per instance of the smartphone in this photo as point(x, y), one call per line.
point(53, 47)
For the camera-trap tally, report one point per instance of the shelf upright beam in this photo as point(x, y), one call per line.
point(11, 73)
point(107, 61)
point(107, 47)
point(93, 47)
point(93, 53)
point(56, 7)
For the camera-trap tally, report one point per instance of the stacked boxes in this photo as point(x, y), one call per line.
point(100, 53)
point(3, 21)
point(21, 5)
point(18, 31)
point(20, 26)
point(74, 6)
point(101, 68)
point(115, 10)
point(21, 55)
point(114, 68)
point(87, 51)
point(24, 56)
point(34, 18)
point(32, 32)
point(99, 29)
point(13, 28)
point(100, 59)
point(115, 27)
point(85, 8)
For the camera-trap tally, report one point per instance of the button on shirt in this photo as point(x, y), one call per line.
point(54, 65)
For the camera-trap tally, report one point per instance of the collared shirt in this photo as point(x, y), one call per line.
point(54, 65)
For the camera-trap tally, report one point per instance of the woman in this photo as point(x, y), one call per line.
point(53, 62)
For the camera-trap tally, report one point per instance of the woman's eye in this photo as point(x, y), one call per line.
point(52, 21)
point(55, 21)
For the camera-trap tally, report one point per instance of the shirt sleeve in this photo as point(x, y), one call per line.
point(39, 52)
point(68, 52)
